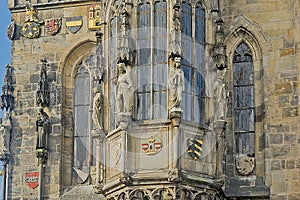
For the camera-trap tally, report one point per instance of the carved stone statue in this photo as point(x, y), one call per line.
point(97, 109)
point(220, 96)
point(42, 129)
point(5, 131)
point(176, 86)
point(124, 89)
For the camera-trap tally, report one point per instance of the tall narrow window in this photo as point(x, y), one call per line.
point(152, 61)
point(193, 63)
point(243, 84)
point(81, 118)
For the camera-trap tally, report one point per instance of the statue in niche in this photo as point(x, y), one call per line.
point(97, 109)
point(220, 96)
point(5, 131)
point(176, 85)
point(42, 129)
point(124, 89)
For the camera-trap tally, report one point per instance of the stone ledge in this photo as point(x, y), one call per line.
point(246, 187)
point(81, 193)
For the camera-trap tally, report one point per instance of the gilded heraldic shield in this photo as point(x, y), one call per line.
point(52, 26)
point(74, 24)
point(32, 179)
point(194, 148)
point(152, 146)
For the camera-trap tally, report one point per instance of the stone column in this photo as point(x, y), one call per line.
point(176, 119)
point(219, 128)
point(100, 137)
point(5, 161)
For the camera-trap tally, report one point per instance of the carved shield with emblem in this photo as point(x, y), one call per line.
point(32, 179)
point(194, 148)
point(52, 26)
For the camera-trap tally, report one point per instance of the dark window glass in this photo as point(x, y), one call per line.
point(81, 118)
point(193, 63)
point(243, 89)
point(152, 73)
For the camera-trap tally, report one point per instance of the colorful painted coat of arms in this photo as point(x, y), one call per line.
point(52, 26)
point(31, 28)
point(152, 146)
point(32, 179)
point(74, 24)
point(194, 148)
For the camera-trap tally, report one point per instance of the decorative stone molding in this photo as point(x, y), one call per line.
point(219, 49)
point(7, 98)
point(43, 92)
point(176, 43)
point(5, 136)
point(165, 193)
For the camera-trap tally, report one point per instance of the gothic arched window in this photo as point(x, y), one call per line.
point(152, 61)
point(243, 91)
point(193, 65)
point(81, 121)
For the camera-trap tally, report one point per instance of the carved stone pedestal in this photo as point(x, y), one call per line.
point(219, 128)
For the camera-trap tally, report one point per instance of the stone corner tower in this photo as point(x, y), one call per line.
point(149, 99)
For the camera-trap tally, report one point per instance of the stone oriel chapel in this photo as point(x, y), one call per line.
point(152, 100)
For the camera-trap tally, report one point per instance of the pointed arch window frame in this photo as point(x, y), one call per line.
point(243, 100)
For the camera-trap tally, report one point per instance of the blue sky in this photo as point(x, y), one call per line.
point(4, 41)
point(4, 47)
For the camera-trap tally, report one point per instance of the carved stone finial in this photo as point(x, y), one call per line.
point(124, 39)
point(43, 92)
point(175, 36)
point(219, 50)
point(7, 99)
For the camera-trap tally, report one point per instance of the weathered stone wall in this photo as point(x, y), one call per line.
point(274, 30)
point(275, 26)
point(26, 56)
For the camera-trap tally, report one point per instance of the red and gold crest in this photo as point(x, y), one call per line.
point(52, 26)
point(152, 146)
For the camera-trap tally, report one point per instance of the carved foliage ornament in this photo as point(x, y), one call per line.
point(166, 193)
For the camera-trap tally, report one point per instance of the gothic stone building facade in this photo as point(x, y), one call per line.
point(152, 99)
